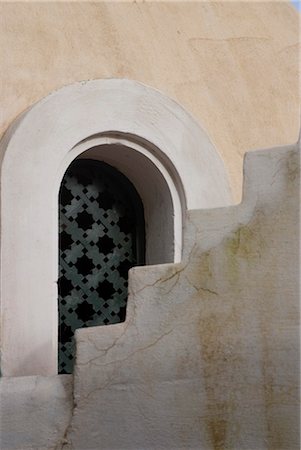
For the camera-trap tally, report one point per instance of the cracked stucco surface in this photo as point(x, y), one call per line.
point(209, 354)
point(34, 411)
point(208, 357)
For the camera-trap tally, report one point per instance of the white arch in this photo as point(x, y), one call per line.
point(34, 155)
point(161, 191)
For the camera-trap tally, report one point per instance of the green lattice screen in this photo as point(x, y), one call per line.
point(101, 230)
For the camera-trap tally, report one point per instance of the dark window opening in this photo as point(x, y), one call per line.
point(101, 236)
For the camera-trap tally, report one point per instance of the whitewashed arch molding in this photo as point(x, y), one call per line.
point(35, 152)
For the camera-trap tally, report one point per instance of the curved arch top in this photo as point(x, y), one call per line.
point(35, 151)
point(73, 113)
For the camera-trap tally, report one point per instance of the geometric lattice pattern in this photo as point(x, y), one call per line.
point(97, 247)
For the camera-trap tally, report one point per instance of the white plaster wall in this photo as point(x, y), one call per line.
point(36, 152)
point(34, 412)
point(208, 357)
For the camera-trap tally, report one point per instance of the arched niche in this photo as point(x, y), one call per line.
point(160, 189)
point(104, 119)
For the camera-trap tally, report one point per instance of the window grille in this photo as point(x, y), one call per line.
point(101, 236)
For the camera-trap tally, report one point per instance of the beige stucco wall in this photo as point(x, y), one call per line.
point(234, 66)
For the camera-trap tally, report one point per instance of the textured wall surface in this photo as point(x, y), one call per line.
point(208, 357)
point(34, 411)
point(233, 65)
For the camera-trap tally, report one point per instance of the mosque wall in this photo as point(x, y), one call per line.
point(234, 66)
point(208, 356)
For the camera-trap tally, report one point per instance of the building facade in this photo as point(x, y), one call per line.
point(197, 346)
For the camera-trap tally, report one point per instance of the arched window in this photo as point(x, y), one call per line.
point(136, 129)
point(101, 236)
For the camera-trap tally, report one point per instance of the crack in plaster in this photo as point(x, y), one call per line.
point(64, 440)
point(201, 289)
point(177, 273)
point(141, 349)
